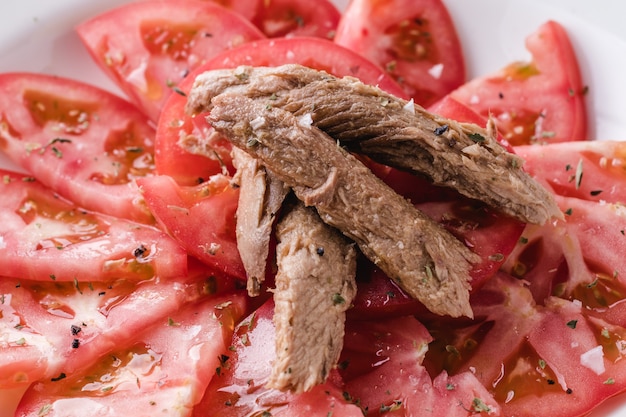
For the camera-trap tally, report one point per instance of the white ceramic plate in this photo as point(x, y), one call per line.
point(37, 35)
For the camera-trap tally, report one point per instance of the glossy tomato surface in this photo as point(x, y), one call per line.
point(415, 41)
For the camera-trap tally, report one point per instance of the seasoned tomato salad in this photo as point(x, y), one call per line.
point(298, 211)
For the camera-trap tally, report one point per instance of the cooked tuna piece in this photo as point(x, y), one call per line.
point(424, 259)
point(315, 285)
point(260, 198)
point(392, 131)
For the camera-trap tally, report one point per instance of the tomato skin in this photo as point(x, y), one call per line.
point(534, 102)
point(288, 18)
point(246, 8)
point(320, 54)
point(148, 47)
point(415, 41)
point(200, 154)
point(83, 142)
point(201, 219)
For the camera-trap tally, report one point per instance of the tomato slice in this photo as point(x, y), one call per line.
point(46, 238)
point(381, 365)
point(415, 41)
point(286, 18)
point(189, 150)
point(148, 47)
point(239, 388)
point(532, 357)
point(540, 101)
point(51, 328)
point(166, 367)
point(589, 170)
point(200, 218)
point(246, 8)
point(83, 142)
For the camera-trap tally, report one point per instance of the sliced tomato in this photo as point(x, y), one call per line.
point(534, 102)
point(50, 328)
point(44, 237)
point(148, 47)
point(201, 218)
point(315, 53)
point(532, 357)
point(239, 388)
point(190, 151)
point(286, 18)
point(589, 170)
point(453, 109)
point(381, 365)
point(247, 8)
point(415, 41)
point(166, 367)
point(83, 142)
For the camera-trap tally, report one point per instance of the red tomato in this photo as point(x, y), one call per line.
point(453, 109)
point(580, 257)
point(534, 102)
point(286, 18)
point(201, 219)
point(44, 237)
point(316, 53)
point(247, 8)
point(85, 143)
point(166, 367)
point(531, 356)
point(589, 170)
point(189, 150)
point(415, 41)
point(239, 388)
point(51, 328)
point(148, 47)
point(381, 365)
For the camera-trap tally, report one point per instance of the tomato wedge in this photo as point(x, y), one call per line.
point(287, 18)
point(46, 238)
point(51, 328)
point(238, 390)
point(589, 170)
point(541, 101)
point(147, 47)
point(414, 40)
point(83, 142)
point(166, 367)
point(200, 218)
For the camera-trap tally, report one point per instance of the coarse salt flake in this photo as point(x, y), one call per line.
point(257, 122)
point(593, 359)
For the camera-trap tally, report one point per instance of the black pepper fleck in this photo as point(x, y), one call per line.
point(75, 329)
point(75, 343)
point(140, 251)
point(441, 130)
